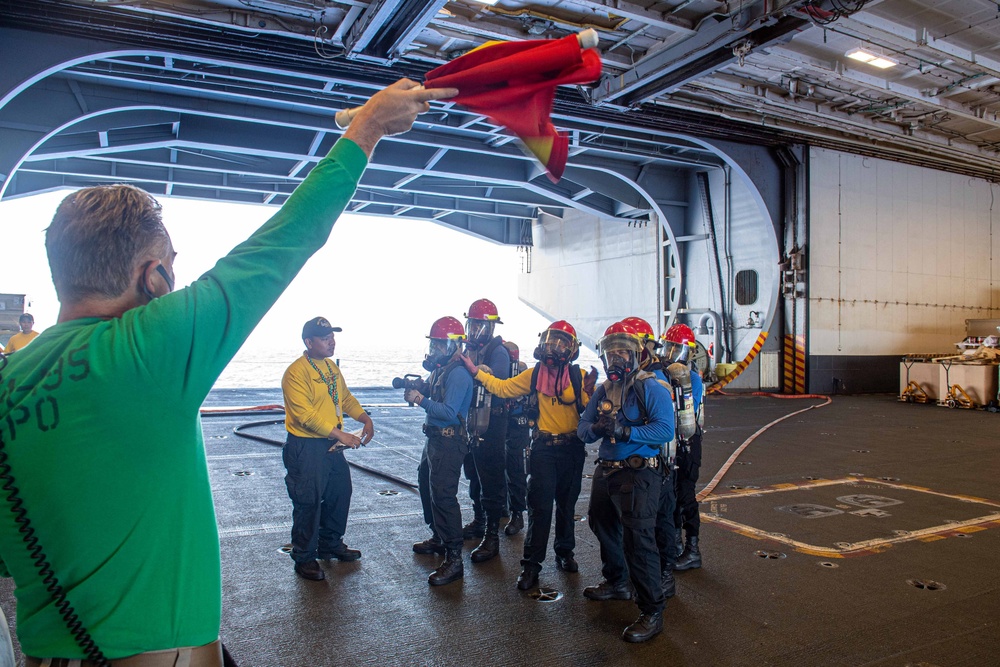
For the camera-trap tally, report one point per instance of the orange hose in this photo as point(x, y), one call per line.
point(746, 443)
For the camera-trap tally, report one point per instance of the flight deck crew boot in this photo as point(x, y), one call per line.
point(691, 558)
point(528, 578)
point(473, 529)
point(667, 581)
point(449, 570)
point(515, 525)
point(490, 546)
point(431, 545)
point(645, 627)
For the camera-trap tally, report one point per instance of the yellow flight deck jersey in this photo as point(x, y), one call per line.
point(18, 341)
point(553, 416)
point(309, 409)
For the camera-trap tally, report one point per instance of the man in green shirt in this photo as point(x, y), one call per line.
point(100, 436)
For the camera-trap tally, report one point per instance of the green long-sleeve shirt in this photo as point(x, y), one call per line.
point(100, 421)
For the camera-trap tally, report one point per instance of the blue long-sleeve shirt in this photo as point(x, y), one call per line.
point(646, 439)
point(457, 398)
point(499, 362)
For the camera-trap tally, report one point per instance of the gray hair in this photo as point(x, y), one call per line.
point(97, 238)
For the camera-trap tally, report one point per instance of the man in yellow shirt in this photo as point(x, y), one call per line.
point(318, 479)
point(20, 340)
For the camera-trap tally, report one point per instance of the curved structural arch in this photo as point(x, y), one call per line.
point(178, 125)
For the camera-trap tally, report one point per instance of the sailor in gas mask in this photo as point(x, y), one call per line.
point(679, 345)
point(557, 392)
point(450, 393)
point(666, 533)
point(632, 414)
point(485, 464)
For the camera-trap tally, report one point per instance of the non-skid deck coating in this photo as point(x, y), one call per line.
point(868, 540)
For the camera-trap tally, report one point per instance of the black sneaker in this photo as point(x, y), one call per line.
point(310, 570)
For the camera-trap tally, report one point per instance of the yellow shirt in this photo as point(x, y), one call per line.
point(19, 341)
point(553, 416)
point(309, 408)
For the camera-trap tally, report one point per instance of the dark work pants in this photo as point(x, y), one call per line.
point(666, 534)
point(556, 475)
point(688, 466)
point(623, 510)
point(437, 479)
point(490, 457)
point(319, 484)
point(518, 438)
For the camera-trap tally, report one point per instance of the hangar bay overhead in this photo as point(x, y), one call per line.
point(234, 100)
point(761, 71)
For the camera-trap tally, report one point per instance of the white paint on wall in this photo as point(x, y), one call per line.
point(899, 256)
point(591, 272)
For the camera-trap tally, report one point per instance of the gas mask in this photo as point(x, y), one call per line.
point(439, 354)
point(619, 363)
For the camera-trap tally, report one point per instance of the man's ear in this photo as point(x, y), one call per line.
point(144, 283)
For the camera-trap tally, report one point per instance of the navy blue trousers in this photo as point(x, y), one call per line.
point(688, 467)
point(319, 484)
point(556, 476)
point(437, 479)
point(623, 512)
point(518, 438)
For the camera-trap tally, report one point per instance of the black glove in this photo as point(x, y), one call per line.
point(603, 426)
point(621, 433)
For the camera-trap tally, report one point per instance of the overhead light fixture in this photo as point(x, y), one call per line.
point(874, 59)
point(487, 2)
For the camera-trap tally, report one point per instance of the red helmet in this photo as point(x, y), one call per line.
point(480, 322)
point(680, 342)
point(447, 328)
point(445, 334)
point(513, 350)
point(620, 348)
point(642, 328)
point(557, 345)
point(483, 309)
point(563, 325)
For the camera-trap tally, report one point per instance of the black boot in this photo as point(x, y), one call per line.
point(678, 543)
point(528, 578)
point(490, 546)
point(515, 525)
point(429, 546)
point(607, 591)
point(473, 529)
point(667, 581)
point(645, 627)
point(690, 559)
point(449, 570)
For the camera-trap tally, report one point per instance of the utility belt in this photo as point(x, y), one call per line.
point(209, 655)
point(635, 462)
point(554, 439)
point(444, 432)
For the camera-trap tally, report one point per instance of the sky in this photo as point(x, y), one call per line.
point(383, 280)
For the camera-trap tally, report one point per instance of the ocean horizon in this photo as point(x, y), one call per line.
point(362, 368)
